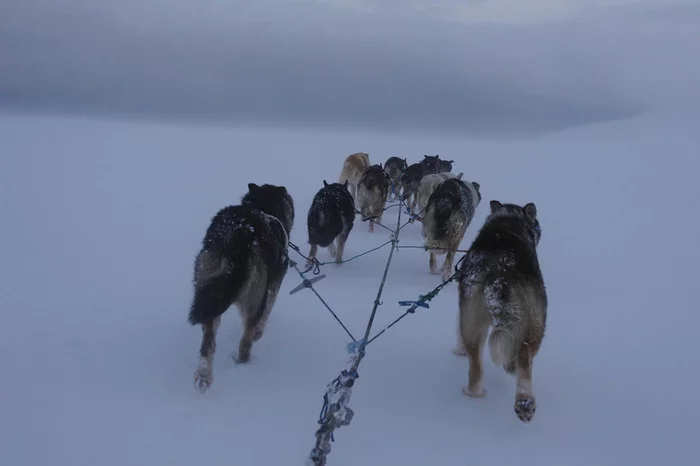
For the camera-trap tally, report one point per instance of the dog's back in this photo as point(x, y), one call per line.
point(372, 191)
point(412, 176)
point(260, 224)
point(501, 284)
point(448, 213)
point(428, 184)
point(331, 210)
point(353, 168)
point(394, 167)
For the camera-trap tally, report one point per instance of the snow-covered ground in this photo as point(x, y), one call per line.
point(101, 222)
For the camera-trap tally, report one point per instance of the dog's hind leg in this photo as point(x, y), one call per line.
point(353, 190)
point(474, 347)
point(332, 250)
point(272, 293)
point(204, 375)
point(433, 262)
point(474, 323)
point(252, 304)
point(525, 404)
point(340, 241)
point(371, 226)
point(256, 316)
point(447, 265)
point(450, 256)
point(459, 349)
point(312, 255)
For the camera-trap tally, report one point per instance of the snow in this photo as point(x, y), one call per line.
point(102, 220)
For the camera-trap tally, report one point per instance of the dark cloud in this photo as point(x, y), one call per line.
point(310, 63)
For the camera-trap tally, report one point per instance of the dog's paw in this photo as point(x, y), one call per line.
point(474, 392)
point(525, 407)
point(459, 351)
point(241, 358)
point(203, 379)
point(446, 275)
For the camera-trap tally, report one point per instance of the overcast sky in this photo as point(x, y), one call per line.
point(467, 65)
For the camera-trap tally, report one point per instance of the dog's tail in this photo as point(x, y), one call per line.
point(443, 207)
point(502, 346)
point(319, 226)
point(218, 283)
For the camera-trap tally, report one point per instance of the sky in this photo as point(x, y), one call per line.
point(482, 65)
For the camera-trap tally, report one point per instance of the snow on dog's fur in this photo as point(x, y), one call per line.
point(448, 214)
point(330, 220)
point(428, 184)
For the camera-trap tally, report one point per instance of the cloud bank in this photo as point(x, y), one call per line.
point(485, 66)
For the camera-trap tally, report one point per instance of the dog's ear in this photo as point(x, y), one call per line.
point(495, 205)
point(405, 161)
point(282, 189)
point(252, 187)
point(477, 186)
point(461, 174)
point(530, 211)
point(325, 184)
point(451, 161)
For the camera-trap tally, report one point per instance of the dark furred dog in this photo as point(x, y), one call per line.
point(412, 176)
point(372, 191)
point(501, 284)
point(394, 167)
point(242, 261)
point(331, 218)
point(449, 212)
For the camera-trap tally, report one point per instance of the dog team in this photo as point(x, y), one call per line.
point(244, 258)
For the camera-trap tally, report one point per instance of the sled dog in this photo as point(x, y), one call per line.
point(242, 261)
point(353, 168)
point(428, 184)
point(394, 167)
point(372, 191)
point(449, 212)
point(501, 284)
point(330, 220)
point(414, 173)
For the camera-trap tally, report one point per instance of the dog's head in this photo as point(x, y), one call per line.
point(431, 161)
point(327, 184)
point(273, 200)
point(444, 165)
point(527, 214)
